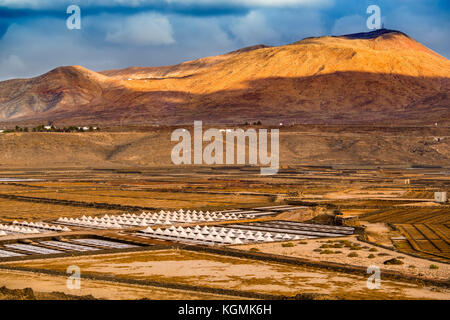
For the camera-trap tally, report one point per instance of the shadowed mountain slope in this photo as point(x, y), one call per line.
point(376, 77)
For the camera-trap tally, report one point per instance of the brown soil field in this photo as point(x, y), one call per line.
point(46, 285)
point(150, 199)
point(428, 238)
point(225, 272)
point(117, 195)
point(419, 194)
point(11, 210)
point(410, 215)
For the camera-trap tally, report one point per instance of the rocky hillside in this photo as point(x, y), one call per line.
point(379, 77)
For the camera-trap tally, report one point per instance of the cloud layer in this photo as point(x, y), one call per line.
point(141, 30)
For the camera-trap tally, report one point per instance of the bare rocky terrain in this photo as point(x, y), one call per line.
point(383, 77)
point(298, 146)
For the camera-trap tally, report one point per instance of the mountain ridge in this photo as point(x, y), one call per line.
point(361, 78)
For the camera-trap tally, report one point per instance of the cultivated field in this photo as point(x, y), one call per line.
point(410, 215)
point(375, 201)
point(428, 238)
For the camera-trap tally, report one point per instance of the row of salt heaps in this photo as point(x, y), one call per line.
point(17, 229)
point(101, 223)
point(219, 235)
point(180, 216)
point(41, 225)
point(148, 219)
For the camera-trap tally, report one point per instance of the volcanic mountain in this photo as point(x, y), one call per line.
point(380, 77)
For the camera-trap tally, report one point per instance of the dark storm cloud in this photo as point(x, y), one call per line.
point(192, 8)
point(3, 28)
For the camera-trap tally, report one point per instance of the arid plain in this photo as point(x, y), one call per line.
point(383, 202)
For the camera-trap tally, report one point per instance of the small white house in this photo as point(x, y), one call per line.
point(47, 127)
point(440, 197)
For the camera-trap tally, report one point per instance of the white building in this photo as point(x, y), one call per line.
point(440, 197)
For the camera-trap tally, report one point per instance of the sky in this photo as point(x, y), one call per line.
point(114, 34)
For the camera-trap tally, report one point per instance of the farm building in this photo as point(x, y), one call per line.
point(440, 197)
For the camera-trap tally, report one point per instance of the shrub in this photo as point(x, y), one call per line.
point(325, 246)
point(293, 193)
point(352, 255)
point(371, 256)
point(373, 250)
point(393, 261)
point(327, 251)
point(347, 243)
point(433, 266)
point(254, 250)
point(317, 250)
point(287, 245)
